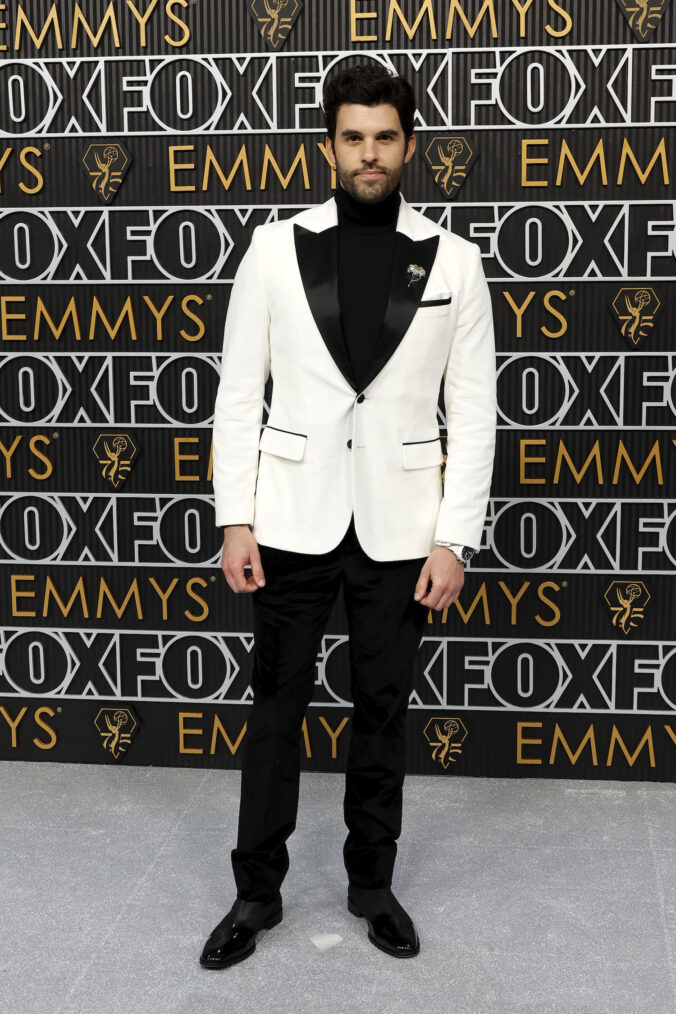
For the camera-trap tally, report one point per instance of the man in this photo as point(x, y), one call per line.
point(357, 308)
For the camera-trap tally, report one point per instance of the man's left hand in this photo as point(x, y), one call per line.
point(447, 574)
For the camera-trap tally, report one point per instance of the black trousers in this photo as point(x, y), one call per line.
point(385, 625)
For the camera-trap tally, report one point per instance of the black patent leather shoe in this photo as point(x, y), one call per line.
point(390, 926)
point(234, 939)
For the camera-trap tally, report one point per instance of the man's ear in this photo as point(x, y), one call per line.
point(329, 149)
point(410, 148)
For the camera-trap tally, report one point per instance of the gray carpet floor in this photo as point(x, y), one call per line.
point(530, 897)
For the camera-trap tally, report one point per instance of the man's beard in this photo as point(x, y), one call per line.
point(370, 192)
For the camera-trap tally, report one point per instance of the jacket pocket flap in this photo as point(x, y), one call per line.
point(283, 443)
point(441, 299)
point(422, 453)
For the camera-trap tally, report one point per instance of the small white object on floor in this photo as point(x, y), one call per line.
point(324, 941)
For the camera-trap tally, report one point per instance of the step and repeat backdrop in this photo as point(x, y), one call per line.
point(141, 141)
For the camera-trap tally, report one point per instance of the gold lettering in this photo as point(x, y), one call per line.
point(3, 28)
point(269, 160)
point(627, 153)
point(241, 160)
point(33, 170)
point(197, 598)
point(623, 455)
point(306, 737)
point(35, 439)
point(201, 329)
point(552, 605)
point(334, 734)
point(519, 310)
point(218, 727)
point(105, 592)
point(555, 313)
point(17, 593)
point(80, 19)
point(471, 29)
point(616, 738)
point(50, 590)
point(71, 311)
point(52, 21)
point(356, 16)
point(523, 10)
point(410, 29)
point(184, 731)
point(7, 454)
point(112, 329)
point(179, 167)
point(164, 596)
point(594, 454)
point(522, 741)
point(177, 43)
point(158, 314)
point(514, 599)
point(40, 438)
point(5, 317)
point(13, 724)
point(481, 596)
point(3, 159)
point(43, 725)
point(566, 154)
point(573, 757)
point(179, 457)
point(527, 159)
point(523, 461)
point(566, 17)
point(142, 18)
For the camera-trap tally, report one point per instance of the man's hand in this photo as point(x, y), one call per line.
point(240, 548)
point(447, 574)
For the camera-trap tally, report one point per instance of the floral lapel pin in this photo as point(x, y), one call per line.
point(416, 273)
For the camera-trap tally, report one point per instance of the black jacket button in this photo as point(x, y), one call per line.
point(349, 443)
point(360, 398)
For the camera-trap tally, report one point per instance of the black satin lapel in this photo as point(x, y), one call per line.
point(405, 295)
point(317, 254)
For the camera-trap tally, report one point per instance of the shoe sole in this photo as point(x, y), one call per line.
point(388, 950)
point(274, 920)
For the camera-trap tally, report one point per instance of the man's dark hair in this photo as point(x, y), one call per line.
point(368, 84)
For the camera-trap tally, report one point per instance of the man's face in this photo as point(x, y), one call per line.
point(370, 150)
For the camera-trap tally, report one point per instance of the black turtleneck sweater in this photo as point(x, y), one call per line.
point(365, 253)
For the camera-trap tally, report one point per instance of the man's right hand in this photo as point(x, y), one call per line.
point(240, 548)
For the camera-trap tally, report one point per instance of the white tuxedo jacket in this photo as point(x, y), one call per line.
point(328, 449)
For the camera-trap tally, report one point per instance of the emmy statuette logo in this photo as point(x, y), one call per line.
point(627, 601)
point(643, 15)
point(106, 165)
point(450, 159)
point(115, 453)
point(116, 727)
point(635, 311)
point(275, 18)
point(446, 736)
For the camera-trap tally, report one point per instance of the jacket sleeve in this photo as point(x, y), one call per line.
point(471, 405)
point(238, 413)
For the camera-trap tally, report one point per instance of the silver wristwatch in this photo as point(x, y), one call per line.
point(463, 553)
